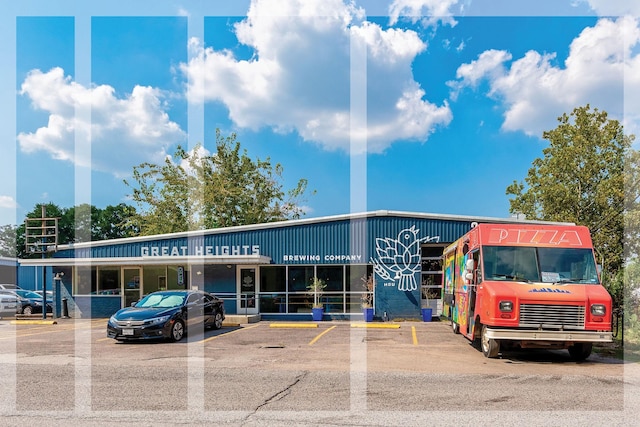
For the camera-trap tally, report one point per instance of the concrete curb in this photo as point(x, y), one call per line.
point(33, 322)
point(293, 325)
point(376, 325)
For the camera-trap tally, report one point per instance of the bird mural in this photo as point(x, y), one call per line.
point(399, 259)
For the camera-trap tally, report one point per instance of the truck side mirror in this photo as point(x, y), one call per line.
point(469, 265)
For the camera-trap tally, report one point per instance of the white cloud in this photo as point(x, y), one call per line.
point(136, 125)
point(8, 202)
point(201, 152)
point(615, 7)
point(488, 65)
point(428, 12)
point(601, 70)
point(299, 76)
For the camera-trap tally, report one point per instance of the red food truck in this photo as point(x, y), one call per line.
point(526, 286)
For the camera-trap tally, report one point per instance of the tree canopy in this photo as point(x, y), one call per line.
point(81, 223)
point(195, 190)
point(585, 177)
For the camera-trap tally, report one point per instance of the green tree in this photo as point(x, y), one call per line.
point(92, 223)
point(195, 191)
point(115, 222)
point(8, 240)
point(581, 179)
point(80, 223)
point(51, 210)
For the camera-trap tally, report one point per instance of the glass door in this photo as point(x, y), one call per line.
point(131, 285)
point(248, 290)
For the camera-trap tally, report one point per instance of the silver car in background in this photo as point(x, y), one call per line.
point(9, 305)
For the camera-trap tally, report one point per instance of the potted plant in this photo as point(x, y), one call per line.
point(316, 290)
point(426, 308)
point(367, 297)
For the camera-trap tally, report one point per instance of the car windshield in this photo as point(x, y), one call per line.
point(547, 265)
point(28, 294)
point(161, 300)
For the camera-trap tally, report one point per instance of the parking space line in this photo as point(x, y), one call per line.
point(230, 332)
point(413, 334)
point(313, 341)
point(293, 325)
point(376, 325)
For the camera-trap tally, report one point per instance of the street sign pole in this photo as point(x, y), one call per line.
point(41, 237)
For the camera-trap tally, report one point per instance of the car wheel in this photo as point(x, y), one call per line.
point(580, 351)
point(490, 347)
point(177, 331)
point(27, 310)
point(217, 320)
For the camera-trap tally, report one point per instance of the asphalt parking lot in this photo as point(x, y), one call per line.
point(271, 373)
point(401, 346)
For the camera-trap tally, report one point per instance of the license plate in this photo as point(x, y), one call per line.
point(127, 332)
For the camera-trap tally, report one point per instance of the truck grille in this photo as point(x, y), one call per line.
point(547, 316)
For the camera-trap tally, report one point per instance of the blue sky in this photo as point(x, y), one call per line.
point(423, 106)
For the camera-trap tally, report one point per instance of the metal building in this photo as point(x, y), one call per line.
point(264, 269)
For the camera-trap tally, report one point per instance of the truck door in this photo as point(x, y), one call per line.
point(468, 294)
point(473, 292)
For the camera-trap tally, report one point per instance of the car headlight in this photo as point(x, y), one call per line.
point(113, 321)
point(506, 306)
point(37, 303)
point(157, 320)
point(598, 309)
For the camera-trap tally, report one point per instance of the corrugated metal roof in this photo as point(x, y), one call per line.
point(10, 262)
point(296, 223)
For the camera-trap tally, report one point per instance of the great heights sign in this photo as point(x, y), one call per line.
point(182, 251)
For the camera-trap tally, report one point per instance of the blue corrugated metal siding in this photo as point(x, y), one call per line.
point(97, 306)
point(336, 241)
point(30, 277)
point(321, 240)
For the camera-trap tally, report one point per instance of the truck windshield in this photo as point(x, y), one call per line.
point(547, 265)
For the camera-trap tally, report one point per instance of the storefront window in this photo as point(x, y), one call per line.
point(108, 281)
point(355, 274)
point(333, 303)
point(154, 279)
point(354, 303)
point(299, 278)
point(85, 282)
point(273, 279)
point(332, 276)
point(177, 277)
point(299, 303)
point(273, 303)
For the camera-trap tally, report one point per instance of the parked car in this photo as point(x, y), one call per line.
point(166, 315)
point(49, 294)
point(30, 302)
point(9, 305)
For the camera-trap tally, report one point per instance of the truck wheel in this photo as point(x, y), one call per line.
point(580, 351)
point(490, 347)
point(455, 327)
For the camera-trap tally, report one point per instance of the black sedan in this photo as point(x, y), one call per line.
point(166, 314)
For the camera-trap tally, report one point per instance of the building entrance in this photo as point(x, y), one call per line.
point(131, 285)
point(248, 289)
